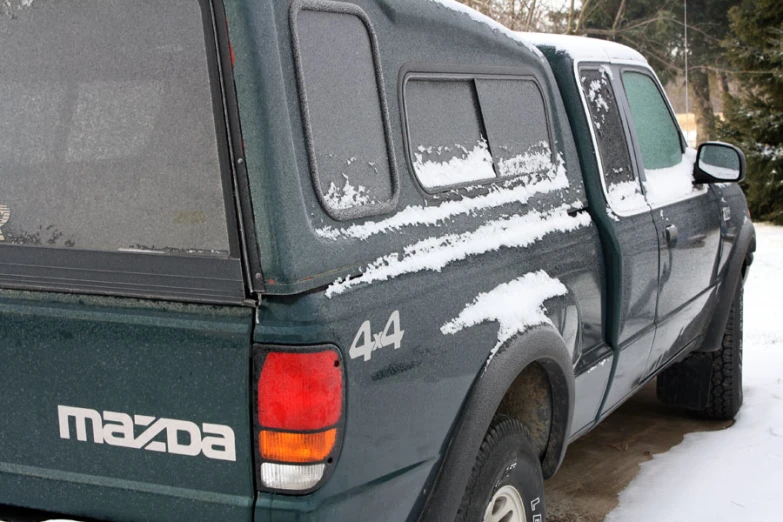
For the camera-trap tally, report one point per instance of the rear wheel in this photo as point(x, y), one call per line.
point(506, 484)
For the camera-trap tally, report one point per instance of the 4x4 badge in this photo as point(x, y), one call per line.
point(366, 342)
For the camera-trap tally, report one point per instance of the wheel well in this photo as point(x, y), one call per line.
point(529, 400)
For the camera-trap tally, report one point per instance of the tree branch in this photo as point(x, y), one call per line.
point(620, 13)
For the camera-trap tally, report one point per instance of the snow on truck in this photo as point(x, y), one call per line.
point(337, 261)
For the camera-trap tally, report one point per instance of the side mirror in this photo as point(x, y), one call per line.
point(719, 162)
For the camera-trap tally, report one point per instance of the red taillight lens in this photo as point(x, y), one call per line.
point(300, 391)
point(300, 407)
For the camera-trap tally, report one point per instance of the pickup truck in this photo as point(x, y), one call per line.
point(340, 261)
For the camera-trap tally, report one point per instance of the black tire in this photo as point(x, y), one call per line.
point(725, 396)
point(506, 458)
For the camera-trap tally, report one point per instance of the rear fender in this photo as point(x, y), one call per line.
point(542, 345)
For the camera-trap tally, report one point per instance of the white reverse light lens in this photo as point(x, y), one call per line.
point(291, 477)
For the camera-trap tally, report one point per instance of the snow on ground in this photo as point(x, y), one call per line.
point(734, 474)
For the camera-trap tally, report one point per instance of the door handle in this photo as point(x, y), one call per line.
point(671, 234)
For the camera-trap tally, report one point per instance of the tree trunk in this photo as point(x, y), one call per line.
point(702, 105)
point(569, 25)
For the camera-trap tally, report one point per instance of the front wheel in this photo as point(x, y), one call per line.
point(725, 396)
point(506, 484)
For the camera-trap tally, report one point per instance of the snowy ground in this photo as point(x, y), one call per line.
point(735, 474)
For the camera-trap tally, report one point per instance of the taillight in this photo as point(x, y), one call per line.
point(299, 412)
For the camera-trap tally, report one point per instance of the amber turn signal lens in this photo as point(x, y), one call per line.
point(281, 446)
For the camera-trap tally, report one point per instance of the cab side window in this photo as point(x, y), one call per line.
point(668, 168)
point(622, 187)
point(658, 137)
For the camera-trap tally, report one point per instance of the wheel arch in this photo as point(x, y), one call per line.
point(542, 346)
point(736, 270)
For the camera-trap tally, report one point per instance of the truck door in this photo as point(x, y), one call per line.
point(632, 250)
point(126, 331)
point(686, 216)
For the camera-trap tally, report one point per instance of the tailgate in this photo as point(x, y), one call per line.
point(125, 413)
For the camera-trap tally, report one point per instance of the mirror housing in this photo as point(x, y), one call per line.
point(718, 162)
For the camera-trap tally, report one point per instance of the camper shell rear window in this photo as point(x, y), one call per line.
point(112, 136)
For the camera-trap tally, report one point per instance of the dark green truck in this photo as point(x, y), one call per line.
point(340, 261)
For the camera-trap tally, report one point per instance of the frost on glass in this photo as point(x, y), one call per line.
point(515, 117)
point(107, 134)
point(659, 139)
point(448, 141)
point(672, 183)
point(346, 122)
point(464, 131)
point(667, 167)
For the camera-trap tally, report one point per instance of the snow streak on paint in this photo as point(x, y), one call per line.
point(514, 191)
point(516, 306)
point(435, 253)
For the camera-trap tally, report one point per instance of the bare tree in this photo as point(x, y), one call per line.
point(517, 15)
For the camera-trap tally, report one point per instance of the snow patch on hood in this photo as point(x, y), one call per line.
point(672, 183)
point(495, 26)
point(516, 306)
point(515, 191)
point(435, 253)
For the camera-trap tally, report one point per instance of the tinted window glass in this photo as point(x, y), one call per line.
point(607, 125)
point(658, 137)
point(515, 118)
point(107, 133)
point(447, 139)
point(348, 140)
